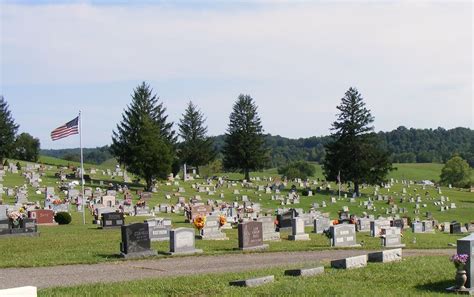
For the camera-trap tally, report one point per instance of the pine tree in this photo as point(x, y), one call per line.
point(196, 148)
point(244, 148)
point(355, 151)
point(144, 140)
point(8, 130)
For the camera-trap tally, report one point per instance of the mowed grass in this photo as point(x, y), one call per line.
point(78, 243)
point(418, 276)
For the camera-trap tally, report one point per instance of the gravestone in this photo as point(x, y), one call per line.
point(398, 223)
point(251, 236)
point(321, 224)
point(112, 219)
point(455, 228)
point(268, 227)
point(5, 227)
point(417, 227)
point(42, 216)
point(465, 245)
point(386, 256)
point(135, 241)
point(350, 263)
point(428, 226)
point(377, 225)
point(391, 237)
point(297, 230)
point(211, 230)
point(200, 210)
point(159, 229)
point(363, 225)
point(182, 242)
point(343, 235)
point(284, 219)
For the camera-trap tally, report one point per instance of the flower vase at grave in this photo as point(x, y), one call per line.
point(461, 277)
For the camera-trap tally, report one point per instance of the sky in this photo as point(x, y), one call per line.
point(412, 61)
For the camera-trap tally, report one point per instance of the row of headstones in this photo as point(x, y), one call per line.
point(346, 263)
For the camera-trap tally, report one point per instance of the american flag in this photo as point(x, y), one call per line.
point(68, 129)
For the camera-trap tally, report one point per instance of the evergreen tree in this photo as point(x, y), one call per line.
point(196, 148)
point(355, 151)
point(456, 172)
point(8, 130)
point(244, 148)
point(27, 147)
point(144, 140)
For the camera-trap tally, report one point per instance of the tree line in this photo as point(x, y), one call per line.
point(145, 143)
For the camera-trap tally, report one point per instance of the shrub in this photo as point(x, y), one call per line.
point(305, 192)
point(299, 169)
point(63, 218)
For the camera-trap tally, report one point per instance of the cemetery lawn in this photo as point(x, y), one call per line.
point(414, 276)
point(86, 244)
point(77, 243)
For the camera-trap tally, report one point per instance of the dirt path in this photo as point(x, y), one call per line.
point(69, 275)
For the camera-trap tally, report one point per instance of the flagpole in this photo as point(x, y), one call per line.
point(82, 171)
point(339, 183)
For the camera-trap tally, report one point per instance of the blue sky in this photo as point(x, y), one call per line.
point(411, 60)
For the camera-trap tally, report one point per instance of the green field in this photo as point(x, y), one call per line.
point(420, 276)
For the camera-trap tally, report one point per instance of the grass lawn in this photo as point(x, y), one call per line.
point(418, 276)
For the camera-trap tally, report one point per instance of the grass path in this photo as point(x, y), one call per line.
point(119, 271)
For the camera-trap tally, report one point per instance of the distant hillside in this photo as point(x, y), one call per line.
point(406, 146)
point(91, 155)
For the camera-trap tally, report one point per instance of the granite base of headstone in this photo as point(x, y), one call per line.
point(386, 256)
point(253, 282)
point(305, 271)
point(350, 263)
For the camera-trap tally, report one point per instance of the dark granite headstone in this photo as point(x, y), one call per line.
point(251, 236)
point(397, 223)
point(455, 228)
point(4, 227)
point(284, 220)
point(112, 219)
point(135, 241)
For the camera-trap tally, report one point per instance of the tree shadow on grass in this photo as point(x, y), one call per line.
point(438, 287)
point(467, 201)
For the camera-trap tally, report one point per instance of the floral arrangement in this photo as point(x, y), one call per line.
point(16, 216)
point(335, 222)
point(199, 222)
point(141, 203)
point(459, 260)
point(222, 220)
point(57, 201)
